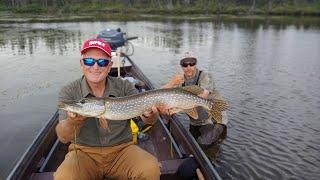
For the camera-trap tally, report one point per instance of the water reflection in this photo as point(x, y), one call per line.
point(26, 41)
point(267, 69)
point(24, 38)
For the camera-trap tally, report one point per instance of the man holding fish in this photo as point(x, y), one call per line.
point(98, 126)
point(205, 128)
point(101, 148)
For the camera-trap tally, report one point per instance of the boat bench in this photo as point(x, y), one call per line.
point(168, 170)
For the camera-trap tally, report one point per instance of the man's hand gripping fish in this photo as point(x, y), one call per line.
point(122, 108)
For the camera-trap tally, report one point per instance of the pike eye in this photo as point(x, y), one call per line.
point(82, 101)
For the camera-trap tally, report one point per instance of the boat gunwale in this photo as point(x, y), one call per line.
point(19, 170)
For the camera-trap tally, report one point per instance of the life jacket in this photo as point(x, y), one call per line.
point(136, 130)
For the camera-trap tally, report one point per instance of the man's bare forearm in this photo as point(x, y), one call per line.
point(169, 85)
point(67, 128)
point(175, 81)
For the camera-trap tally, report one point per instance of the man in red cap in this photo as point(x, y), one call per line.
point(205, 129)
point(96, 153)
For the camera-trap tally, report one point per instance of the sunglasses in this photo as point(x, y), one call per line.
point(92, 61)
point(186, 64)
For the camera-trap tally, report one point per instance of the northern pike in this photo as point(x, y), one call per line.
point(122, 108)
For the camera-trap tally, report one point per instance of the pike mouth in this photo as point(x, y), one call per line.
point(65, 104)
point(89, 107)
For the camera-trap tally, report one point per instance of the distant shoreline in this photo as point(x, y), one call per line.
point(102, 10)
point(9, 17)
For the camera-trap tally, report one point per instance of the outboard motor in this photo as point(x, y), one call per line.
point(114, 37)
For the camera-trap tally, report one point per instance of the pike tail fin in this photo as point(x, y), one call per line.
point(217, 106)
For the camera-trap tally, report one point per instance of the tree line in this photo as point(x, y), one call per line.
point(197, 6)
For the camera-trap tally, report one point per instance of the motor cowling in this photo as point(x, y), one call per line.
point(115, 37)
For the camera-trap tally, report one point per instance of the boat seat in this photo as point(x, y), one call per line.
point(168, 169)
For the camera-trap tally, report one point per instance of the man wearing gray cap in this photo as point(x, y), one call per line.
point(205, 129)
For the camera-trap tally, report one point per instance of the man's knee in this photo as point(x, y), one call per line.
point(67, 167)
point(139, 164)
point(75, 166)
point(149, 169)
point(64, 171)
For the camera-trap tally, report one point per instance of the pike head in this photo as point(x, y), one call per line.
point(92, 107)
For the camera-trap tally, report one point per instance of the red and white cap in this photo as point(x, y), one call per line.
point(96, 43)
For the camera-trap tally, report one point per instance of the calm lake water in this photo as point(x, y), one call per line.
point(268, 70)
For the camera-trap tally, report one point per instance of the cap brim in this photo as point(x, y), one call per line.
point(189, 59)
point(98, 47)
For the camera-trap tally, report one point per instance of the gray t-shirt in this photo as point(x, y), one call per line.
point(91, 134)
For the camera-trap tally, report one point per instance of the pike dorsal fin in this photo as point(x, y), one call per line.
point(194, 89)
point(192, 113)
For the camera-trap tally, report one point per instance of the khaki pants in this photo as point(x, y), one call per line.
point(124, 161)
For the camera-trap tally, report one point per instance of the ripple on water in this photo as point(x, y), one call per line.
point(267, 140)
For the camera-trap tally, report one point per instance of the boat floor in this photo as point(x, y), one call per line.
point(158, 144)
